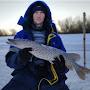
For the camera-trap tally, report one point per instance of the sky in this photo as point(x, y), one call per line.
point(11, 10)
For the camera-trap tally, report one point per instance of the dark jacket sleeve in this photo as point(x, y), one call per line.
point(13, 61)
point(13, 57)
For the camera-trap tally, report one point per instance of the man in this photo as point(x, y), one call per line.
point(32, 73)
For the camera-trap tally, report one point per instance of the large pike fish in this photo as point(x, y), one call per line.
point(49, 53)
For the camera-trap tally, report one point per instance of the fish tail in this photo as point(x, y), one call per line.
point(81, 71)
point(11, 42)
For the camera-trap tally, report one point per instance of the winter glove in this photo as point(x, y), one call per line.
point(59, 61)
point(25, 55)
point(59, 64)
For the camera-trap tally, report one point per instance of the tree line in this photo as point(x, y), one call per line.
point(70, 25)
point(4, 32)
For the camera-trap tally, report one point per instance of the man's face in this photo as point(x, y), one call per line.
point(38, 17)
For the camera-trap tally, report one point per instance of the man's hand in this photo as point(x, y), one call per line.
point(25, 55)
point(59, 61)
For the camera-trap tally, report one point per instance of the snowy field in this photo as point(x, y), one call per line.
point(73, 43)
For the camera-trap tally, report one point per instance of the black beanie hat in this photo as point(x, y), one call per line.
point(38, 8)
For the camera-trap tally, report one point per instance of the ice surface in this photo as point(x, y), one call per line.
point(73, 43)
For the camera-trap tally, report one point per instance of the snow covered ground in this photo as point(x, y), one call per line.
point(73, 43)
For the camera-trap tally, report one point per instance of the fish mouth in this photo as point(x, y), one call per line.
point(11, 41)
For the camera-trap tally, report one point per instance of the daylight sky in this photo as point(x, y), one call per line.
point(11, 10)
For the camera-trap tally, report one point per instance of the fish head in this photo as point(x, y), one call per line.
point(20, 43)
point(12, 42)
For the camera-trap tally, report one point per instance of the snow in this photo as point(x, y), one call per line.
point(73, 43)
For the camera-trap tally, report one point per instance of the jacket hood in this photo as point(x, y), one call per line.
point(27, 19)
